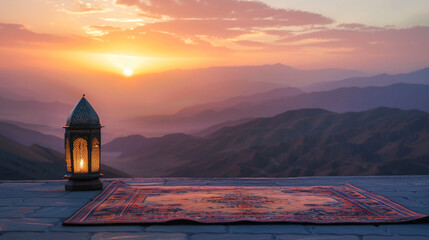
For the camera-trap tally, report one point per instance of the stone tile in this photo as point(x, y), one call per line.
point(407, 229)
point(59, 227)
point(423, 200)
point(47, 187)
point(316, 237)
point(27, 224)
point(188, 228)
point(16, 212)
point(421, 210)
point(60, 212)
point(31, 194)
point(232, 237)
point(411, 188)
point(84, 194)
point(52, 202)
point(44, 236)
point(9, 201)
point(406, 203)
point(347, 229)
point(18, 185)
point(139, 236)
point(403, 194)
point(271, 228)
point(371, 237)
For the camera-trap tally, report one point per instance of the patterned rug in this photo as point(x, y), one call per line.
point(123, 203)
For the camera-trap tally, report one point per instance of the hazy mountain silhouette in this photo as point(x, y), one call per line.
point(216, 127)
point(129, 143)
point(34, 112)
point(275, 73)
point(30, 137)
point(44, 129)
point(402, 96)
point(255, 98)
point(18, 161)
point(417, 77)
point(302, 142)
point(204, 115)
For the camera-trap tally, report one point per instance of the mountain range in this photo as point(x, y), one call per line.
point(401, 95)
point(18, 161)
point(42, 115)
point(232, 131)
point(417, 77)
point(29, 137)
point(306, 142)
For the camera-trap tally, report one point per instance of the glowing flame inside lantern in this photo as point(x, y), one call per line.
point(81, 163)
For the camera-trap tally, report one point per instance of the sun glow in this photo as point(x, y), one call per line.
point(128, 72)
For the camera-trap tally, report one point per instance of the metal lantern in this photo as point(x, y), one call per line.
point(82, 148)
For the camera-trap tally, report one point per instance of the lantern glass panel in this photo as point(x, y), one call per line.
point(68, 159)
point(95, 156)
point(80, 156)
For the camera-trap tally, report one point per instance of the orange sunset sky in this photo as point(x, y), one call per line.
point(55, 50)
point(156, 35)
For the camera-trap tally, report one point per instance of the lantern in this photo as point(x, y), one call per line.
point(82, 148)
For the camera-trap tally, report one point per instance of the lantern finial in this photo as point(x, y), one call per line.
point(83, 95)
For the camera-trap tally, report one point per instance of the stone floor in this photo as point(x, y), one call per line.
point(35, 210)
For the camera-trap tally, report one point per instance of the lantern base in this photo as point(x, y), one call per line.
point(83, 184)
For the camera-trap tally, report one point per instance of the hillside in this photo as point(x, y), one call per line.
point(402, 96)
point(34, 112)
point(30, 137)
point(306, 142)
point(198, 117)
point(18, 161)
point(416, 77)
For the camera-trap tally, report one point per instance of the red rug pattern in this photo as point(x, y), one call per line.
point(122, 203)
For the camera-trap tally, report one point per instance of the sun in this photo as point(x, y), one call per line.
point(128, 72)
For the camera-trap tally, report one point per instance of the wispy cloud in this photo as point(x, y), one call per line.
point(81, 7)
point(221, 18)
point(123, 20)
point(18, 34)
point(99, 31)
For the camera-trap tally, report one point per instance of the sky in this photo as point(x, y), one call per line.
point(149, 36)
point(123, 54)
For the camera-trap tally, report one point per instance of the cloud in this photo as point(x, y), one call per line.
point(123, 20)
point(369, 39)
point(99, 31)
point(220, 18)
point(18, 34)
point(81, 7)
point(149, 42)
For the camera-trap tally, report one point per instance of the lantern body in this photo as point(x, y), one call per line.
point(82, 148)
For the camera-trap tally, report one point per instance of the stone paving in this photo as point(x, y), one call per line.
point(35, 210)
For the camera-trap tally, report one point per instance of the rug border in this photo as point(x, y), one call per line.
point(116, 183)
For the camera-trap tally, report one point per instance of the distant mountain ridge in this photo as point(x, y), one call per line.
point(401, 95)
point(416, 77)
point(18, 161)
point(255, 98)
point(34, 112)
point(30, 137)
point(304, 142)
point(274, 73)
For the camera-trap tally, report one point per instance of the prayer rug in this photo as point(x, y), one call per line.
point(122, 203)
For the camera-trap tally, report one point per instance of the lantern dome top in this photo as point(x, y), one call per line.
point(83, 116)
